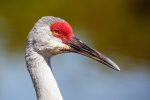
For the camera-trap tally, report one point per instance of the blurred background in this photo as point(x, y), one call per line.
point(120, 29)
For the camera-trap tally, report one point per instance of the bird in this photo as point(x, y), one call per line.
point(51, 36)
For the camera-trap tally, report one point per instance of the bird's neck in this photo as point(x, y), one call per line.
point(42, 76)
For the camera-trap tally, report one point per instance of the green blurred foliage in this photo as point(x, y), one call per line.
point(121, 26)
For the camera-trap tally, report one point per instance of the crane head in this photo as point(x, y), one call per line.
point(51, 36)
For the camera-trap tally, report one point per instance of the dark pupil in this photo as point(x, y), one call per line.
point(56, 31)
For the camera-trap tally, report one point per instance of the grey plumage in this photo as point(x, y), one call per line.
point(42, 44)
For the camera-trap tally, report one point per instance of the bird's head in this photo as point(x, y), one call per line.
point(51, 36)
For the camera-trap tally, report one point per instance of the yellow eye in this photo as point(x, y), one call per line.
point(56, 32)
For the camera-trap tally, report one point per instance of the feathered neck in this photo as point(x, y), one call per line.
point(42, 77)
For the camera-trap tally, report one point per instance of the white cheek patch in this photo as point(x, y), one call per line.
point(57, 45)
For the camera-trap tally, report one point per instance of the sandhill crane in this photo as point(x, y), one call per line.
point(51, 36)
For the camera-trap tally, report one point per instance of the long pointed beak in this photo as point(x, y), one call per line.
point(77, 46)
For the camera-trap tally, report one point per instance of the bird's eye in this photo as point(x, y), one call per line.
point(56, 32)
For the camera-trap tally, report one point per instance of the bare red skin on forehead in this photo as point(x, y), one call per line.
point(65, 30)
